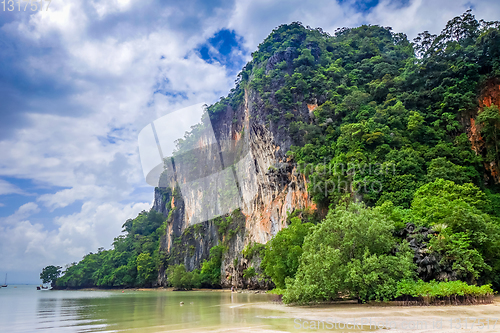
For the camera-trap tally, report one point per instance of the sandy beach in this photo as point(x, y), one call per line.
point(349, 317)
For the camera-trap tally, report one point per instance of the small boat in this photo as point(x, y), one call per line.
point(5, 284)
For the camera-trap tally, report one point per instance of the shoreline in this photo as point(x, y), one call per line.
point(496, 299)
point(389, 304)
point(393, 318)
point(169, 289)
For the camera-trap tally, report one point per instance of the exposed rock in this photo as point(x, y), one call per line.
point(162, 198)
point(268, 189)
point(490, 94)
point(288, 55)
point(428, 263)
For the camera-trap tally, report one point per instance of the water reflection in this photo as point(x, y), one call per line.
point(73, 314)
point(46, 308)
point(144, 311)
point(28, 310)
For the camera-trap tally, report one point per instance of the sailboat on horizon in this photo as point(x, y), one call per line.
point(5, 284)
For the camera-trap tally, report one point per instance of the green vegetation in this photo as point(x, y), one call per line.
point(249, 273)
point(390, 129)
point(382, 101)
point(146, 269)
point(223, 223)
point(359, 251)
point(133, 261)
point(50, 274)
point(351, 253)
point(179, 278)
point(210, 269)
point(253, 249)
point(282, 254)
point(489, 118)
point(453, 292)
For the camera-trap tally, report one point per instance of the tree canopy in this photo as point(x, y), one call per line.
point(50, 274)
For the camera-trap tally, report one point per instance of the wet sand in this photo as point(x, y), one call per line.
point(442, 319)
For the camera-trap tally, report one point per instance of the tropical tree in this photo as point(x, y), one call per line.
point(50, 274)
point(282, 254)
point(350, 253)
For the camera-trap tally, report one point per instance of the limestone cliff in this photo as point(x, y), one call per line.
point(269, 188)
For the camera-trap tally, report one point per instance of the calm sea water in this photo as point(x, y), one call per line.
point(24, 309)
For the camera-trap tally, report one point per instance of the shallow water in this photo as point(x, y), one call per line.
point(24, 309)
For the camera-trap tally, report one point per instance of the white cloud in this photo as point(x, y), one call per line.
point(21, 213)
point(8, 188)
point(256, 19)
point(68, 17)
point(421, 15)
point(68, 196)
point(90, 147)
point(418, 16)
point(30, 246)
point(111, 7)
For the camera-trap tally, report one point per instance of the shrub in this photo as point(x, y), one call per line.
point(249, 273)
point(282, 254)
point(179, 278)
point(252, 250)
point(210, 269)
point(454, 292)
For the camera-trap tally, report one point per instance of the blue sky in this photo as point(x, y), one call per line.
point(79, 81)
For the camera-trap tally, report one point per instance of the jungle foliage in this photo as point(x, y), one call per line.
point(135, 259)
point(132, 262)
point(50, 274)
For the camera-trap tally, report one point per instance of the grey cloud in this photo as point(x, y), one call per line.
point(144, 17)
point(54, 85)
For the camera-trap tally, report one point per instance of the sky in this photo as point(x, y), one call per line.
point(79, 80)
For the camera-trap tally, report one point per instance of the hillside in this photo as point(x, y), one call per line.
point(316, 124)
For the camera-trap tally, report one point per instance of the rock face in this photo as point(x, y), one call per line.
point(161, 198)
point(429, 263)
point(251, 151)
point(490, 94)
point(288, 55)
